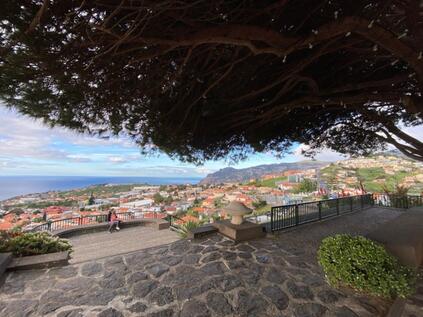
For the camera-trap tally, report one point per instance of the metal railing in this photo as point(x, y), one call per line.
point(80, 221)
point(282, 217)
point(397, 201)
point(172, 219)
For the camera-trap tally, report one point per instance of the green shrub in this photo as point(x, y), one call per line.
point(187, 227)
point(365, 266)
point(33, 243)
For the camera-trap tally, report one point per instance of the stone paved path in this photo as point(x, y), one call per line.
point(414, 304)
point(212, 277)
point(103, 244)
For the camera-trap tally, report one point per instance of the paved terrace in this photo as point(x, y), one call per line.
point(275, 276)
point(103, 244)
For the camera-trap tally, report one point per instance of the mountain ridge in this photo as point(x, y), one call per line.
point(234, 175)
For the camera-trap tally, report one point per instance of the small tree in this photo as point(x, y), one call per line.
point(91, 200)
point(158, 199)
point(218, 203)
point(307, 186)
point(168, 200)
point(259, 204)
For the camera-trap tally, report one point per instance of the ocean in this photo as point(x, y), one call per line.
point(11, 186)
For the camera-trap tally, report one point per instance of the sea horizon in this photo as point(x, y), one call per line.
point(19, 185)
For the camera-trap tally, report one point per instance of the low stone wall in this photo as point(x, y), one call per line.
point(39, 261)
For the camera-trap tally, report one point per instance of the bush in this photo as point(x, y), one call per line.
point(365, 266)
point(33, 243)
point(187, 227)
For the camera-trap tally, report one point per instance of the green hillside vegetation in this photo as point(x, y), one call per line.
point(98, 190)
point(373, 178)
point(269, 182)
point(369, 175)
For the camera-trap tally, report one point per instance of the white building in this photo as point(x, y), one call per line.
point(138, 203)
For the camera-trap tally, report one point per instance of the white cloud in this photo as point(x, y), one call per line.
point(117, 159)
point(79, 158)
point(324, 155)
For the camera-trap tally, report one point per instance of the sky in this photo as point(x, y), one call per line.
point(28, 147)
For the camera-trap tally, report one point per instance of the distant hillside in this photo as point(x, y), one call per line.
point(233, 175)
point(375, 172)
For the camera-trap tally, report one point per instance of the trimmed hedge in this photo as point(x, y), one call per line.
point(33, 243)
point(365, 266)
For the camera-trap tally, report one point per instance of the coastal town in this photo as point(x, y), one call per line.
point(204, 203)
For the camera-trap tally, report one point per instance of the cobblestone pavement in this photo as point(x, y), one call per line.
point(212, 277)
point(414, 304)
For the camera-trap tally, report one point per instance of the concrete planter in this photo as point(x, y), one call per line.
point(39, 261)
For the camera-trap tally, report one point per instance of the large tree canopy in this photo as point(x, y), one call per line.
point(205, 79)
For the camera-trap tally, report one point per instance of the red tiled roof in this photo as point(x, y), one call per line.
point(4, 226)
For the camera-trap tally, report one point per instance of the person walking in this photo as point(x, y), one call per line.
point(113, 221)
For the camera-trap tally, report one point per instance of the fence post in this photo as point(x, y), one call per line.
point(337, 206)
point(361, 202)
point(319, 204)
point(297, 216)
point(271, 220)
point(351, 203)
point(406, 202)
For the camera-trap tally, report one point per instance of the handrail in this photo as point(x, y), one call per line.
point(286, 216)
point(79, 221)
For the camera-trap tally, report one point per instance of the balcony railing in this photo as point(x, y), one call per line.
point(282, 217)
point(397, 201)
point(67, 223)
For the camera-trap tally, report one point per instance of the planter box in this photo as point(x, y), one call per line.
point(39, 261)
point(201, 232)
point(243, 232)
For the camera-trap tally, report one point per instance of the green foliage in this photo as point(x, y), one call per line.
point(371, 173)
point(259, 204)
point(399, 190)
point(197, 202)
point(40, 219)
point(33, 243)
point(215, 217)
point(158, 199)
point(16, 229)
point(272, 182)
point(76, 65)
point(187, 227)
point(374, 179)
point(306, 186)
point(168, 200)
point(192, 212)
point(91, 200)
point(218, 203)
point(365, 266)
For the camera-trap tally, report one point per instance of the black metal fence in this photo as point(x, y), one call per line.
point(287, 216)
point(398, 201)
point(174, 222)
